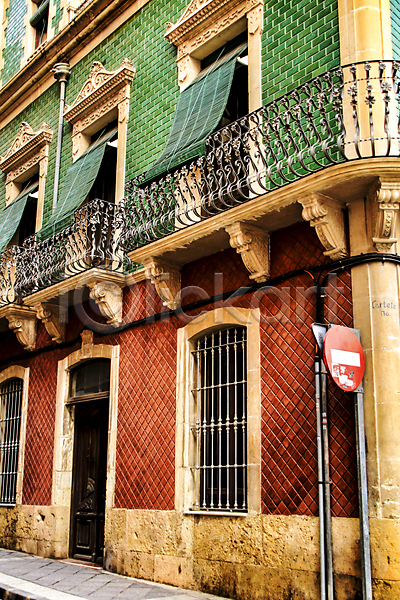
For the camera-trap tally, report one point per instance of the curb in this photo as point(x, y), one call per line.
point(11, 593)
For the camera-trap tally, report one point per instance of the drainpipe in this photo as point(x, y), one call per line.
point(61, 73)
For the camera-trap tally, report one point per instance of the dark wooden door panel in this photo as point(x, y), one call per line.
point(89, 480)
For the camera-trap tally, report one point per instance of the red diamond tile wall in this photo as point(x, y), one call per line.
point(39, 445)
point(145, 465)
point(147, 387)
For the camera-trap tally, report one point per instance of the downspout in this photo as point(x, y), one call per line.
point(61, 73)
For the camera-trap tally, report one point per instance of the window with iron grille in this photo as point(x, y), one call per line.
point(220, 429)
point(10, 424)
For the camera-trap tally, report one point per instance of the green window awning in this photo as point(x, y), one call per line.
point(11, 215)
point(38, 16)
point(199, 110)
point(78, 182)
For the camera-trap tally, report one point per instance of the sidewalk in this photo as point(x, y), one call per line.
point(28, 577)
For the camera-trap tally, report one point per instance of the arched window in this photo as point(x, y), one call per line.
point(220, 427)
point(10, 425)
point(90, 381)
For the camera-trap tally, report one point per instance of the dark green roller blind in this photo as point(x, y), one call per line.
point(11, 216)
point(199, 110)
point(77, 184)
point(38, 16)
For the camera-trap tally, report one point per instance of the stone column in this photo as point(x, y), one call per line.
point(375, 288)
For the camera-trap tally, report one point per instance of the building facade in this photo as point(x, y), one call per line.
point(186, 187)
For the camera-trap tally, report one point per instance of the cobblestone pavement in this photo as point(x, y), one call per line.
point(28, 577)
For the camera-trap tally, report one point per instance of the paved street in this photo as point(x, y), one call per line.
point(23, 576)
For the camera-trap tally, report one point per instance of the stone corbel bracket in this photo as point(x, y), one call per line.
point(252, 244)
point(108, 297)
point(326, 216)
point(385, 198)
point(166, 278)
point(23, 322)
point(53, 319)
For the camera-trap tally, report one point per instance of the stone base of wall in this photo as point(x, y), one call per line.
point(41, 530)
point(247, 558)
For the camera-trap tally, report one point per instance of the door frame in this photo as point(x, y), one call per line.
point(64, 436)
point(73, 534)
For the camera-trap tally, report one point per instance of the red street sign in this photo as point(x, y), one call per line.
point(344, 357)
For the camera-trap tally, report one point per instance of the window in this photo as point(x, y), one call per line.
point(218, 414)
point(220, 428)
point(10, 425)
point(90, 381)
point(40, 22)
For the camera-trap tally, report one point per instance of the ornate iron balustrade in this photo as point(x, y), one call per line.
point(346, 113)
point(8, 267)
point(89, 242)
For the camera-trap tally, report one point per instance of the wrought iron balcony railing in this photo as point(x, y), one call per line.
point(89, 242)
point(345, 114)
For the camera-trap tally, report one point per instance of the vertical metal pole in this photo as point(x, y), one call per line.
point(61, 73)
point(363, 495)
point(327, 485)
point(320, 454)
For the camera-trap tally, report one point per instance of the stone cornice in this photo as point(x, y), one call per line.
point(198, 15)
point(100, 86)
point(25, 146)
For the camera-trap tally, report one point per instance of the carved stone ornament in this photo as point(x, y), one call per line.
point(27, 149)
point(166, 278)
point(253, 246)
point(23, 322)
point(108, 297)
point(200, 15)
point(53, 321)
point(87, 343)
point(325, 214)
point(385, 195)
point(103, 87)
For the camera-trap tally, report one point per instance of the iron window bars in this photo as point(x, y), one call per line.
point(220, 429)
point(10, 425)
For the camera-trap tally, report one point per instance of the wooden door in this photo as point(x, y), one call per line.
point(89, 481)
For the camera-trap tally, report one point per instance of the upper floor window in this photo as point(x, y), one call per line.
point(220, 426)
point(25, 167)
point(40, 22)
point(10, 425)
point(207, 103)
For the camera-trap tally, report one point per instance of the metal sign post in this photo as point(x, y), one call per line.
point(346, 372)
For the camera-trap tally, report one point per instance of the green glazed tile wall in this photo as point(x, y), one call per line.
point(300, 40)
point(12, 52)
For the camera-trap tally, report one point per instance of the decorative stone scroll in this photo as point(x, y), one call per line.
point(23, 322)
point(385, 196)
point(166, 278)
point(253, 246)
point(108, 297)
point(53, 320)
point(325, 214)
